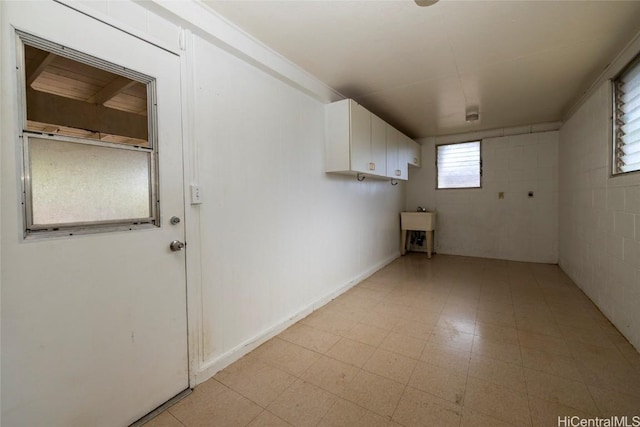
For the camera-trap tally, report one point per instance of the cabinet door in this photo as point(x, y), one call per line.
point(393, 137)
point(360, 138)
point(378, 146)
point(414, 152)
point(403, 167)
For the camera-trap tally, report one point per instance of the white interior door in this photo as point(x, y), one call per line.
point(93, 326)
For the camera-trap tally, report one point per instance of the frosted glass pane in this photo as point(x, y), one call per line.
point(85, 183)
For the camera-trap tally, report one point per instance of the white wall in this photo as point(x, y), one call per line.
point(476, 222)
point(600, 217)
point(276, 236)
point(277, 233)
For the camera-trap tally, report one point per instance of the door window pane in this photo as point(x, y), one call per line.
point(68, 97)
point(78, 183)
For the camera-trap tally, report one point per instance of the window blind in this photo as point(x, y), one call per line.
point(627, 120)
point(459, 165)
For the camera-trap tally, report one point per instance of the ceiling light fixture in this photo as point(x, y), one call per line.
point(472, 115)
point(425, 3)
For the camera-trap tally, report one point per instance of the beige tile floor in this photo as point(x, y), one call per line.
point(450, 341)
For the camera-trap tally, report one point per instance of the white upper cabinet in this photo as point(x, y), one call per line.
point(414, 151)
point(355, 140)
point(396, 157)
point(358, 141)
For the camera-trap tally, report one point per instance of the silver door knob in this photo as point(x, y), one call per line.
point(176, 245)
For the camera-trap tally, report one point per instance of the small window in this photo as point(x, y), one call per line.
point(88, 142)
point(626, 124)
point(459, 165)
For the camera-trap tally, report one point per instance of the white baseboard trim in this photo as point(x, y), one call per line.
point(210, 367)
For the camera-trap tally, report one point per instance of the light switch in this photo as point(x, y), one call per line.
point(196, 194)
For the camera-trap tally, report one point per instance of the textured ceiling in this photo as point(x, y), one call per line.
point(518, 62)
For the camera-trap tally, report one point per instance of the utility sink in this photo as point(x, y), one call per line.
point(423, 221)
point(417, 221)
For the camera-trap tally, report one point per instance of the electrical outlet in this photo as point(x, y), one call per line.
point(196, 194)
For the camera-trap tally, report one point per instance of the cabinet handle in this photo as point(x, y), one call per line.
point(415, 160)
point(398, 172)
point(372, 166)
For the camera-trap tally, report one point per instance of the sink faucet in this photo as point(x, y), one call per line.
point(421, 209)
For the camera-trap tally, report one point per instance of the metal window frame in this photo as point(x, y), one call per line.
point(479, 141)
point(614, 171)
point(30, 230)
